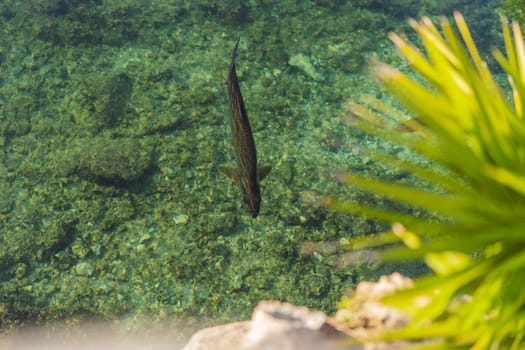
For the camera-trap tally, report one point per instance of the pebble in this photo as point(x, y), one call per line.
point(84, 269)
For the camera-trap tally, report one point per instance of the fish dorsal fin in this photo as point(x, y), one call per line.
point(230, 173)
point(264, 171)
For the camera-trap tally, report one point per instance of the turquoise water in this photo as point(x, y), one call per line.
point(115, 118)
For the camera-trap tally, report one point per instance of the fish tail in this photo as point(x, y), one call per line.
point(234, 53)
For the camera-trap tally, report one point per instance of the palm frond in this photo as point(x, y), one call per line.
point(473, 232)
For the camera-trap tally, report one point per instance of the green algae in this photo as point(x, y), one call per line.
point(171, 240)
point(515, 9)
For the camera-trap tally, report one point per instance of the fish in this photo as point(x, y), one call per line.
point(247, 174)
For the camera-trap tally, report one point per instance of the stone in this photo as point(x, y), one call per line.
point(370, 315)
point(278, 325)
point(225, 336)
point(84, 269)
point(303, 63)
point(112, 98)
point(274, 325)
point(114, 160)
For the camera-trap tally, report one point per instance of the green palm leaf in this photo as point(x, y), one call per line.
point(471, 153)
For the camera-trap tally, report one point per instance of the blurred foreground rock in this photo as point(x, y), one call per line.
point(274, 325)
point(278, 325)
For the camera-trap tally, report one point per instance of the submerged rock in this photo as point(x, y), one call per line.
point(114, 160)
point(84, 269)
point(112, 99)
point(303, 63)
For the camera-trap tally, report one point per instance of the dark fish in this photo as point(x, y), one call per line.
point(246, 173)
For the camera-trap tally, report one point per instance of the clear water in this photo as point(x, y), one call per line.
point(114, 118)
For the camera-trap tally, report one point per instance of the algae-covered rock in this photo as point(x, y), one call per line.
point(112, 99)
point(114, 160)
